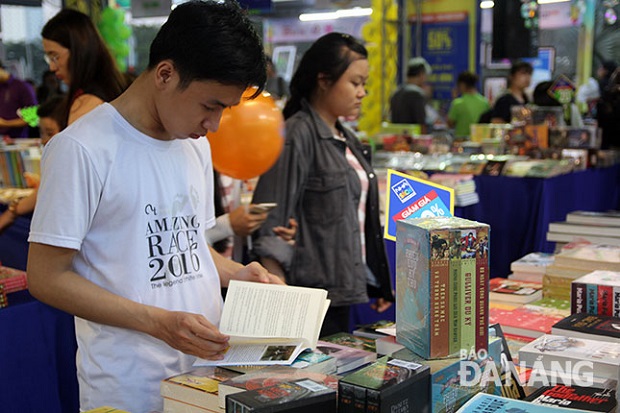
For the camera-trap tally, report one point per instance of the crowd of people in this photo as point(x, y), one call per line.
point(129, 200)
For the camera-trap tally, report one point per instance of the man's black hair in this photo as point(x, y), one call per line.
point(469, 79)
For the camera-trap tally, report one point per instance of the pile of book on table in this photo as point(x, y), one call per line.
point(464, 187)
point(594, 227)
point(11, 280)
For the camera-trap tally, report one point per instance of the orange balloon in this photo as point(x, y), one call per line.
point(249, 139)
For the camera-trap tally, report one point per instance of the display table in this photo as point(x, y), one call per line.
point(519, 211)
point(14, 242)
point(37, 367)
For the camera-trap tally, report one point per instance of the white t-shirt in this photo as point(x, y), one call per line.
point(136, 209)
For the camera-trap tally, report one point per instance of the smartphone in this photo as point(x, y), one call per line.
point(264, 207)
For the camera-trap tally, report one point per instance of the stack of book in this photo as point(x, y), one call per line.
point(596, 293)
point(486, 403)
point(502, 290)
point(526, 322)
point(531, 267)
point(591, 326)
point(442, 277)
point(595, 227)
point(577, 260)
point(464, 187)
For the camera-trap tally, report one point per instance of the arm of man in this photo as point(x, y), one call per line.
point(231, 270)
point(12, 123)
point(52, 280)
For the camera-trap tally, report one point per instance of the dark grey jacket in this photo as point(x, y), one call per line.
point(313, 183)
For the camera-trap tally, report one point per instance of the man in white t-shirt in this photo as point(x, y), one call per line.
point(117, 237)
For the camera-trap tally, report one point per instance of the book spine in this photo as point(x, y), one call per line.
point(373, 401)
point(347, 398)
point(605, 300)
point(455, 291)
point(359, 400)
point(616, 312)
point(592, 294)
point(578, 298)
point(440, 301)
point(468, 274)
point(482, 289)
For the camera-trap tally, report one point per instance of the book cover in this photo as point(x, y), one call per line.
point(269, 323)
point(534, 262)
point(502, 289)
point(486, 403)
point(350, 340)
point(315, 360)
point(594, 239)
point(388, 345)
point(347, 358)
point(303, 396)
point(575, 397)
point(553, 306)
point(553, 352)
point(493, 167)
point(482, 288)
point(370, 330)
point(510, 384)
point(270, 376)
point(387, 386)
point(609, 218)
point(595, 293)
point(583, 325)
point(455, 291)
point(440, 298)
point(524, 321)
point(198, 387)
point(415, 286)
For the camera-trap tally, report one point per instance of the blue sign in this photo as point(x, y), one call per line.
point(409, 197)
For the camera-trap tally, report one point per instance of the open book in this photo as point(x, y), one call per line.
point(269, 323)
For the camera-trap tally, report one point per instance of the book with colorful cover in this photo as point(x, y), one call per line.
point(347, 358)
point(197, 387)
point(482, 288)
point(386, 385)
point(534, 262)
point(301, 396)
point(455, 290)
point(575, 397)
point(592, 326)
point(502, 289)
point(316, 361)
point(511, 386)
point(270, 376)
point(550, 351)
point(597, 292)
point(370, 330)
point(552, 306)
point(525, 321)
point(350, 340)
point(423, 296)
point(13, 279)
point(487, 403)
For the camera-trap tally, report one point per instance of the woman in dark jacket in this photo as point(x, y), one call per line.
point(324, 180)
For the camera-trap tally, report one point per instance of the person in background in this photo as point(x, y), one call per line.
point(14, 94)
point(608, 113)
point(276, 85)
point(603, 75)
point(50, 86)
point(51, 121)
point(466, 109)
point(408, 103)
point(519, 79)
point(77, 55)
point(324, 180)
point(128, 193)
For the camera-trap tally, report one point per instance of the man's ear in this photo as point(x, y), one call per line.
point(164, 73)
point(323, 81)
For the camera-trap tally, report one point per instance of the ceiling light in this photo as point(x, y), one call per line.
point(338, 14)
point(487, 4)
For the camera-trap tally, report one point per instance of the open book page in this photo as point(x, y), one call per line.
point(269, 324)
point(254, 310)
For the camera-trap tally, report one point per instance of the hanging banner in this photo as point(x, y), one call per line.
point(409, 197)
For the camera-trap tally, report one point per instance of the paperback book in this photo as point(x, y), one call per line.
point(487, 403)
point(575, 397)
point(269, 324)
point(596, 293)
point(300, 396)
point(609, 218)
point(350, 340)
point(501, 289)
point(347, 358)
point(385, 386)
point(591, 326)
point(270, 376)
point(370, 330)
